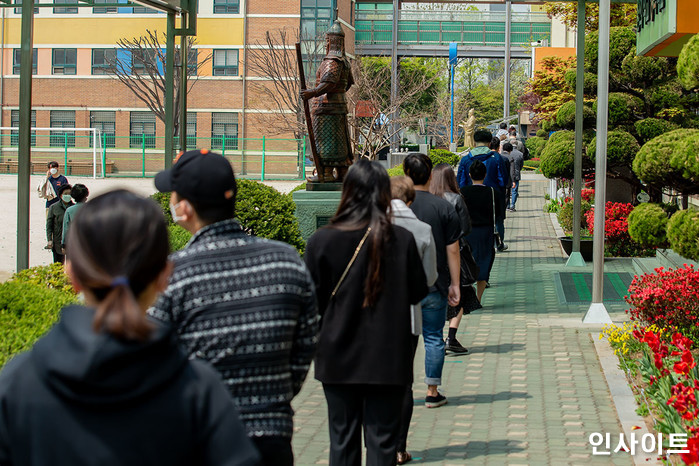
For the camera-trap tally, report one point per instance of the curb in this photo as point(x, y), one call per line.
point(623, 399)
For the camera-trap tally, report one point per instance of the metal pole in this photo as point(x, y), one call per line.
point(183, 87)
point(451, 140)
point(597, 312)
point(25, 131)
point(576, 259)
point(394, 77)
point(170, 90)
point(508, 44)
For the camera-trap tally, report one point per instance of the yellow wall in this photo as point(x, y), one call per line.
point(211, 31)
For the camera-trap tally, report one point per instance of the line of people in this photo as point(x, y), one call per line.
point(195, 358)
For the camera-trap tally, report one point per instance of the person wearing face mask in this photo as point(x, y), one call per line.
point(49, 186)
point(54, 223)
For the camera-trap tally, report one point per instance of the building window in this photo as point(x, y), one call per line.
point(143, 60)
point(63, 10)
point(18, 11)
point(142, 130)
point(224, 131)
point(104, 9)
point(227, 6)
point(106, 123)
point(16, 57)
point(192, 61)
point(225, 63)
point(14, 122)
point(62, 119)
point(141, 10)
point(64, 61)
point(101, 59)
point(316, 17)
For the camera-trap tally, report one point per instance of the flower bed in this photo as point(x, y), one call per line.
point(616, 230)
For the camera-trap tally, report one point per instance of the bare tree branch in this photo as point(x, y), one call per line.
point(142, 70)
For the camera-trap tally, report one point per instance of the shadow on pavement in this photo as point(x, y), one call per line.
point(480, 398)
point(497, 349)
point(470, 450)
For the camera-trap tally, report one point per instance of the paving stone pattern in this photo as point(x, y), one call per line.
point(531, 390)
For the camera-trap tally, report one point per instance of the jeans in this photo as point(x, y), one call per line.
point(500, 227)
point(434, 314)
point(515, 195)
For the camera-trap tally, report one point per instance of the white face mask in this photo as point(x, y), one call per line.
point(173, 211)
point(54, 171)
point(66, 198)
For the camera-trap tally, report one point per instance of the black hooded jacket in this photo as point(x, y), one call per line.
point(85, 398)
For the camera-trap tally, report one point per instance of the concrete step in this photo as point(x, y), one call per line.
point(669, 259)
point(643, 265)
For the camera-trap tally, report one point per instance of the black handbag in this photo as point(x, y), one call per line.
point(498, 239)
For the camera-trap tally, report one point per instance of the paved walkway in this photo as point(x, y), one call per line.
point(531, 390)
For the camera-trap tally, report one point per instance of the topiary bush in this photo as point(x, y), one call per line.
point(178, 237)
point(265, 212)
point(163, 200)
point(683, 233)
point(650, 128)
point(396, 171)
point(670, 160)
point(565, 118)
point(648, 225)
point(622, 40)
point(541, 134)
point(622, 147)
point(558, 156)
point(27, 311)
point(688, 64)
point(622, 108)
point(589, 81)
point(535, 145)
point(443, 156)
point(565, 215)
point(46, 276)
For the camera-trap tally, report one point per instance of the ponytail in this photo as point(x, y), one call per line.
point(120, 315)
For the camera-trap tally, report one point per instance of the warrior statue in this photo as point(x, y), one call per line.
point(329, 109)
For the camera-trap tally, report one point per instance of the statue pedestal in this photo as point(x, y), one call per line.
point(314, 209)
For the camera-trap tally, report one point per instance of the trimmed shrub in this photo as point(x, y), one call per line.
point(565, 118)
point(683, 233)
point(618, 243)
point(541, 134)
point(396, 171)
point(622, 108)
point(648, 225)
point(565, 215)
point(548, 125)
point(443, 156)
point(688, 64)
point(558, 156)
point(622, 41)
point(178, 236)
point(265, 212)
point(163, 200)
point(589, 81)
point(27, 311)
point(46, 276)
point(535, 145)
point(650, 128)
point(670, 160)
point(622, 147)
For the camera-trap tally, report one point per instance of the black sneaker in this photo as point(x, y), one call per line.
point(435, 401)
point(454, 346)
point(503, 248)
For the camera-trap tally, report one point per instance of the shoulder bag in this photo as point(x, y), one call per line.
point(498, 240)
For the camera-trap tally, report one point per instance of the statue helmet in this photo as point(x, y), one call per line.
point(335, 38)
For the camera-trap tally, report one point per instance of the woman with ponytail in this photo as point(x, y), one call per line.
point(106, 385)
point(367, 274)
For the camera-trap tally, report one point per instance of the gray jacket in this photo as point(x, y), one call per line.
point(516, 159)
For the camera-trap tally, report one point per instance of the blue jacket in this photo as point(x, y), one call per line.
point(495, 175)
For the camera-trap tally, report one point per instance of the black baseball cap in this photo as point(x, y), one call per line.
point(201, 176)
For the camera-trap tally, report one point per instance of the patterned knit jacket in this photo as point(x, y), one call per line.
point(247, 305)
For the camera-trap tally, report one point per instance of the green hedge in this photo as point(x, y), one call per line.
point(670, 160)
point(683, 233)
point(622, 147)
point(541, 134)
point(565, 118)
point(396, 171)
point(622, 108)
point(178, 236)
point(27, 311)
point(648, 225)
point(443, 156)
point(650, 128)
point(535, 145)
point(46, 276)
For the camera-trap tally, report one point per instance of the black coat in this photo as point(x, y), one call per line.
point(357, 344)
point(85, 398)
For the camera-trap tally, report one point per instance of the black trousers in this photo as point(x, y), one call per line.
point(275, 451)
point(376, 408)
point(58, 257)
point(406, 409)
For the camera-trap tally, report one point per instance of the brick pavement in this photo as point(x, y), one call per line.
point(530, 391)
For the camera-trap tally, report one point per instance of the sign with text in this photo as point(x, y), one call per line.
point(664, 26)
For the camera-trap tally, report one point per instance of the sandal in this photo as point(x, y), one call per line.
point(403, 457)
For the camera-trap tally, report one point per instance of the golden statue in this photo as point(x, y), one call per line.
point(469, 127)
